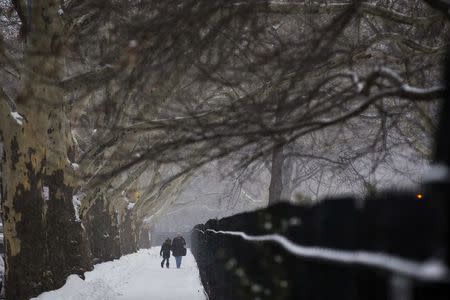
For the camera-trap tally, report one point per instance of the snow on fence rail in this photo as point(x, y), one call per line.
point(430, 270)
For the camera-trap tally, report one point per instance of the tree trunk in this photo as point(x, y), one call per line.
point(276, 179)
point(44, 240)
point(102, 231)
point(287, 178)
point(128, 242)
point(144, 238)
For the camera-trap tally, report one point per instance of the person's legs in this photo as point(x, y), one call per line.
point(166, 259)
point(178, 260)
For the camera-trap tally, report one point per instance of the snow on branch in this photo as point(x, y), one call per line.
point(407, 91)
point(17, 117)
point(431, 270)
point(253, 200)
point(74, 166)
point(400, 88)
point(411, 92)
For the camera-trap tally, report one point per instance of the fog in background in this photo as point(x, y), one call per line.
point(214, 193)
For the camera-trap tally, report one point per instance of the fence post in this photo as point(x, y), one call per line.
point(400, 288)
point(437, 183)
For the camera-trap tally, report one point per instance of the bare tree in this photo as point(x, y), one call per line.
point(112, 100)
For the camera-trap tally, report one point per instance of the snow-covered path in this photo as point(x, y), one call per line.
point(137, 276)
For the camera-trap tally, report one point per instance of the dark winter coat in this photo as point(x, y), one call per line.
point(165, 249)
point(179, 246)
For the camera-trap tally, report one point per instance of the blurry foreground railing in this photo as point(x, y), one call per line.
point(388, 248)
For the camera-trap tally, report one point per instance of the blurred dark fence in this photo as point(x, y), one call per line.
point(388, 247)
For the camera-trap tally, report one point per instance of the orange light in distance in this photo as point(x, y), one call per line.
point(419, 196)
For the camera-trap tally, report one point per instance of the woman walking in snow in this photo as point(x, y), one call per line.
point(178, 249)
point(165, 252)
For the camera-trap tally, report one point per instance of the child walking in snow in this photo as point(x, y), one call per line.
point(165, 252)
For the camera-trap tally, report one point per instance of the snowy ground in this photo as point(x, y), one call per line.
point(136, 276)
